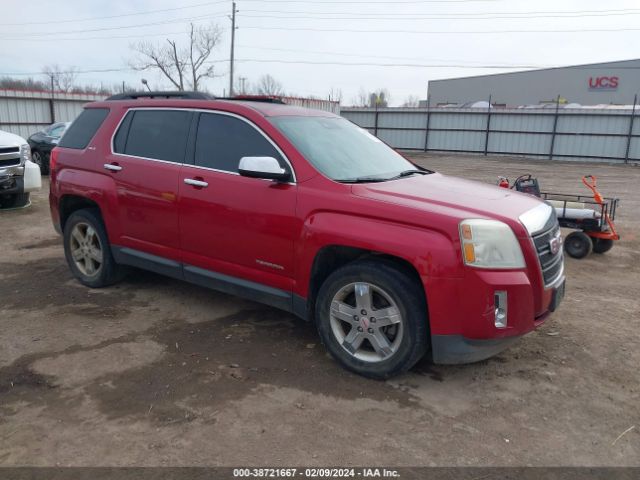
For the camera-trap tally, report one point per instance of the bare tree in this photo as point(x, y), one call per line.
point(361, 99)
point(63, 79)
point(181, 66)
point(335, 95)
point(411, 101)
point(379, 98)
point(267, 85)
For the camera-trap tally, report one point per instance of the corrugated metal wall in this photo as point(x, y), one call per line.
point(25, 112)
point(565, 134)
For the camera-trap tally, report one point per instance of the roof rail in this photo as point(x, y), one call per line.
point(171, 94)
point(254, 98)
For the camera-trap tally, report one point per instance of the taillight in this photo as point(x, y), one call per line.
point(53, 159)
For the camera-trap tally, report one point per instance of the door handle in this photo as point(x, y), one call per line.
point(113, 167)
point(196, 183)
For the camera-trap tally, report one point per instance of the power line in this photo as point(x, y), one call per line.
point(122, 27)
point(359, 55)
point(368, 2)
point(432, 17)
point(87, 19)
point(358, 64)
point(463, 14)
point(442, 32)
point(366, 64)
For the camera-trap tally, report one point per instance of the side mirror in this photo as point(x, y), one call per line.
point(262, 167)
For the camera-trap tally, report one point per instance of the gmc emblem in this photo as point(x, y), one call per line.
point(555, 244)
point(603, 83)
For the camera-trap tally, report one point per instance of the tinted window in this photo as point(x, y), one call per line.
point(158, 134)
point(120, 140)
point(223, 140)
point(84, 128)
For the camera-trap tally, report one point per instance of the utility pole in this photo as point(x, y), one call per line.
point(233, 37)
point(243, 89)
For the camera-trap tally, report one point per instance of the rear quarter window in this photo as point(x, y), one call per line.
point(82, 130)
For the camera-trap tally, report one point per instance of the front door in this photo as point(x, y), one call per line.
point(232, 225)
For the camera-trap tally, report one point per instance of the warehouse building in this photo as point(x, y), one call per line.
point(591, 84)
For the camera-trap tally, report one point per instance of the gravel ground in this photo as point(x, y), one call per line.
point(158, 372)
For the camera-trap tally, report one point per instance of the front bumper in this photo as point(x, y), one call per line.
point(462, 313)
point(11, 180)
point(456, 349)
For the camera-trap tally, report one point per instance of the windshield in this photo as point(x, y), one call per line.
point(341, 150)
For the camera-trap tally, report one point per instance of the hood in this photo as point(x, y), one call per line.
point(10, 140)
point(451, 196)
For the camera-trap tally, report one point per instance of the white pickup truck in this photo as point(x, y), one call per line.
point(19, 176)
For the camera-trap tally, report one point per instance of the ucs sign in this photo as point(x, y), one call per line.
point(603, 83)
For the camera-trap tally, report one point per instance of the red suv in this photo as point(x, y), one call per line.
point(305, 211)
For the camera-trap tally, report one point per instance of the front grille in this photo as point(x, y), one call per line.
point(551, 263)
point(9, 149)
point(8, 162)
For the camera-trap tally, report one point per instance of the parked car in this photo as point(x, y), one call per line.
point(43, 142)
point(19, 176)
point(305, 211)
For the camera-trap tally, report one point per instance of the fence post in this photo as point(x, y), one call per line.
point(375, 124)
point(426, 133)
point(52, 107)
point(629, 136)
point(486, 138)
point(555, 127)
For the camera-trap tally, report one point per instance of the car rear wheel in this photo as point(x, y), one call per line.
point(87, 250)
point(40, 160)
point(372, 317)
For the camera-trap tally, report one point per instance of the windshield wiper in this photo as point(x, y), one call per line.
point(363, 180)
point(406, 173)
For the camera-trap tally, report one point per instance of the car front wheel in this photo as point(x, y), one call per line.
point(372, 317)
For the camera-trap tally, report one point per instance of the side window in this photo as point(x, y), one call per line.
point(82, 130)
point(223, 140)
point(157, 134)
point(120, 140)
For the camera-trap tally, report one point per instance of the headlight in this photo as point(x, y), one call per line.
point(490, 244)
point(25, 152)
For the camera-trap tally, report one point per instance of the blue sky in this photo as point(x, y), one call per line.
point(276, 36)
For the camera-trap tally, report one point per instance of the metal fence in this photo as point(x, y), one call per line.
point(26, 112)
point(555, 133)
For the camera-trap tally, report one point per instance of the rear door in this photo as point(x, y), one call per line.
point(148, 152)
point(234, 225)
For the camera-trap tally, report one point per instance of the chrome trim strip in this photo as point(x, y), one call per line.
point(202, 110)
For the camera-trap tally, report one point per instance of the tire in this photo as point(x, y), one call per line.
point(601, 245)
point(41, 160)
point(578, 245)
point(87, 250)
point(16, 200)
point(406, 330)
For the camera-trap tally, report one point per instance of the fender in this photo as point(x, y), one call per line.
point(96, 187)
point(431, 253)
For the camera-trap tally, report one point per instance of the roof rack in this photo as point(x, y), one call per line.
point(254, 98)
point(173, 94)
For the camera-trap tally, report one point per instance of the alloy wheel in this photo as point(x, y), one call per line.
point(86, 249)
point(366, 322)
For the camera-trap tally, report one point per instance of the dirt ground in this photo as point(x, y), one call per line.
point(158, 372)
